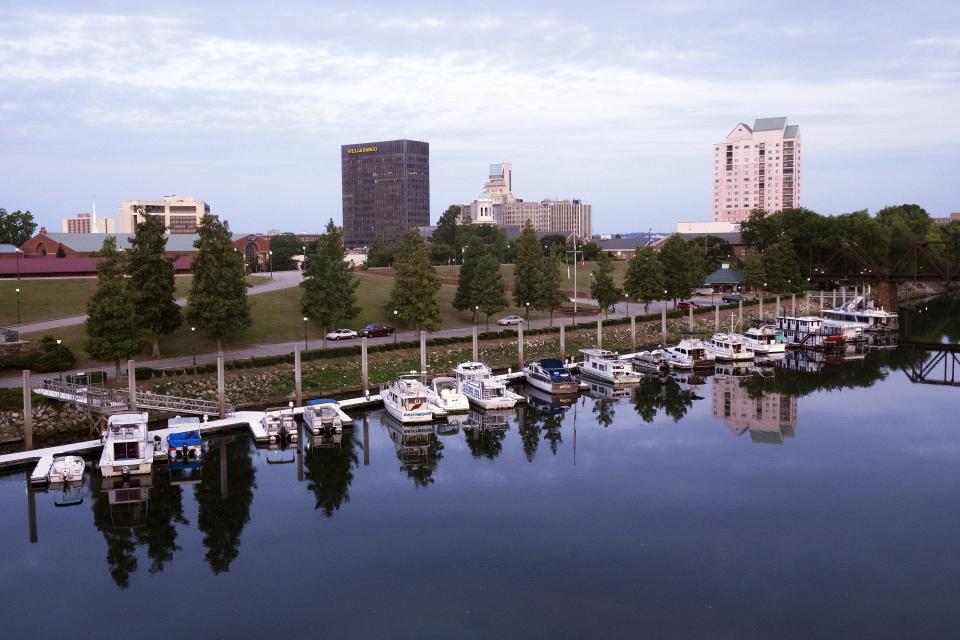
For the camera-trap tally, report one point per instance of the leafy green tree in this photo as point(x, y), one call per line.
point(415, 287)
point(217, 303)
point(381, 254)
point(329, 288)
point(527, 272)
point(781, 267)
point(548, 295)
point(466, 296)
point(754, 272)
point(284, 247)
point(114, 330)
point(16, 227)
point(591, 251)
point(488, 286)
point(603, 289)
point(152, 281)
point(644, 280)
point(761, 229)
point(682, 268)
point(447, 229)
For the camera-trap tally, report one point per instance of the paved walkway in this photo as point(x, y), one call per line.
point(282, 348)
point(281, 280)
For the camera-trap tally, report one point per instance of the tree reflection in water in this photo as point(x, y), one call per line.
point(655, 394)
point(224, 499)
point(418, 449)
point(528, 424)
point(330, 471)
point(484, 440)
point(603, 410)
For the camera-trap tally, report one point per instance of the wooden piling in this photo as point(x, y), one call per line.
point(663, 323)
point(132, 384)
point(476, 348)
point(423, 351)
point(298, 374)
point(221, 386)
point(31, 511)
point(793, 304)
point(690, 319)
point(520, 347)
point(364, 369)
point(27, 411)
point(563, 341)
point(716, 317)
point(600, 333)
point(778, 306)
point(633, 333)
point(740, 312)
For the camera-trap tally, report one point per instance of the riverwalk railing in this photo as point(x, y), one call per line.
point(103, 400)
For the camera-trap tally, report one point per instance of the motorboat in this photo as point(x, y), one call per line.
point(813, 332)
point(550, 375)
point(606, 366)
point(764, 340)
point(65, 469)
point(127, 448)
point(323, 416)
point(857, 313)
point(405, 400)
point(476, 381)
point(654, 361)
point(728, 347)
point(444, 392)
point(280, 424)
point(689, 353)
point(184, 446)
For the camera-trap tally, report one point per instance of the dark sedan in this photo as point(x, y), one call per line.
point(733, 297)
point(375, 330)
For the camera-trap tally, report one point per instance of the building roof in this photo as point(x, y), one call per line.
point(791, 131)
point(731, 237)
point(72, 265)
point(619, 244)
point(770, 124)
point(7, 248)
point(724, 276)
point(91, 242)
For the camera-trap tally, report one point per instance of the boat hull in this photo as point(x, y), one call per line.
point(617, 381)
point(553, 388)
point(403, 416)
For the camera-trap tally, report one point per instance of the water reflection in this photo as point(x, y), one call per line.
point(484, 432)
point(418, 449)
point(767, 417)
point(329, 463)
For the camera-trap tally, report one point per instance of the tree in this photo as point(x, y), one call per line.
point(447, 228)
point(548, 294)
point(644, 280)
point(527, 272)
point(682, 267)
point(284, 247)
point(415, 287)
point(591, 251)
point(114, 330)
point(603, 289)
point(489, 290)
point(381, 254)
point(217, 303)
point(152, 281)
point(466, 296)
point(329, 288)
point(16, 227)
point(781, 267)
point(754, 272)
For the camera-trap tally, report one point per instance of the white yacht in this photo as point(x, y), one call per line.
point(445, 393)
point(66, 469)
point(405, 400)
point(689, 353)
point(866, 318)
point(764, 340)
point(728, 346)
point(127, 448)
point(476, 381)
point(604, 365)
point(550, 375)
point(324, 416)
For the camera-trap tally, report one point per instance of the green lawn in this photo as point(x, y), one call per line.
point(277, 318)
point(51, 298)
point(566, 274)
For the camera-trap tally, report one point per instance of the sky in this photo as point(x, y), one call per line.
point(245, 104)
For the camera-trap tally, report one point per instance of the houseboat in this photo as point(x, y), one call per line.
point(405, 400)
point(689, 353)
point(324, 416)
point(127, 448)
point(476, 381)
point(444, 392)
point(764, 340)
point(867, 318)
point(729, 347)
point(606, 366)
point(812, 332)
point(550, 375)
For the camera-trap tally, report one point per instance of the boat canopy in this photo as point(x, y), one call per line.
point(184, 439)
point(311, 403)
point(551, 364)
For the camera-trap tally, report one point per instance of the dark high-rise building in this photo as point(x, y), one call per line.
point(386, 190)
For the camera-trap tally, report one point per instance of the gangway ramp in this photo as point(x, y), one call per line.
point(103, 400)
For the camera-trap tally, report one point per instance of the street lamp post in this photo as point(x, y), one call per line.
point(18, 305)
point(528, 311)
point(18, 263)
point(193, 344)
point(627, 298)
point(396, 329)
point(306, 345)
point(271, 264)
point(476, 310)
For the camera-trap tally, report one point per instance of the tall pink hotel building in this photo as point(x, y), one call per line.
point(756, 168)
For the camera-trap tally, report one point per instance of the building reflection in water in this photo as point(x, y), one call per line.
point(418, 449)
point(768, 417)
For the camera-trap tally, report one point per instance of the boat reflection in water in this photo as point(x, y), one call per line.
point(485, 431)
point(547, 404)
point(418, 448)
point(768, 417)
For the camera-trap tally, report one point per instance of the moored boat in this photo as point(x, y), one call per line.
point(476, 381)
point(689, 353)
point(606, 366)
point(650, 362)
point(66, 469)
point(444, 392)
point(323, 416)
point(870, 319)
point(550, 375)
point(127, 448)
point(764, 340)
point(728, 346)
point(405, 399)
point(280, 424)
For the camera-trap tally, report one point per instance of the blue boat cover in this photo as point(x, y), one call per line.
point(184, 439)
point(551, 363)
point(321, 401)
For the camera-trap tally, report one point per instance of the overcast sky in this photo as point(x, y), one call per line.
point(246, 104)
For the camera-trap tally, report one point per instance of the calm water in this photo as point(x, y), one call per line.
point(798, 504)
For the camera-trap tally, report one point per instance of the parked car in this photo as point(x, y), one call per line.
point(341, 334)
point(688, 304)
point(375, 330)
point(508, 320)
point(733, 297)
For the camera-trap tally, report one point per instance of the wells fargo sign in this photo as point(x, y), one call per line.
point(361, 150)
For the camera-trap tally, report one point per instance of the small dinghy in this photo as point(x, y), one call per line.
point(66, 469)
